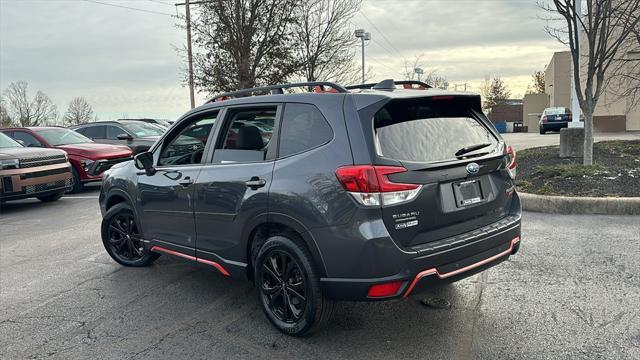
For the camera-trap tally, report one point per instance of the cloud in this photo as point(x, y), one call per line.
point(123, 61)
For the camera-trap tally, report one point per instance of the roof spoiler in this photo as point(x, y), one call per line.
point(279, 89)
point(390, 84)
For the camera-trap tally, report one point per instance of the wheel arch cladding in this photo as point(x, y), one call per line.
point(261, 232)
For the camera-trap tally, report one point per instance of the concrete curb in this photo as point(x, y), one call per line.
point(580, 205)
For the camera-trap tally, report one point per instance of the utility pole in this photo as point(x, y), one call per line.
point(187, 4)
point(360, 33)
point(575, 103)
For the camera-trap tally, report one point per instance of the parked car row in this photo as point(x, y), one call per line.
point(45, 162)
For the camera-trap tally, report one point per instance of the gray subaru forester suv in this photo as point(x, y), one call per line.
point(366, 193)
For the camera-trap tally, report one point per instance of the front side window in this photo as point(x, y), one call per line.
point(114, 131)
point(247, 136)
point(425, 130)
point(27, 139)
point(187, 146)
point(303, 128)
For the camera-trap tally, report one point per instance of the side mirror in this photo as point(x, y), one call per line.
point(124, 137)
point(144, 161)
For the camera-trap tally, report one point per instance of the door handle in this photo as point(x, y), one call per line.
point(186, 181)
point(255, 183)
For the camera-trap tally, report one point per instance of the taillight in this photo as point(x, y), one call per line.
point(510, 161)
point(370, 184)
point(570, 116)
point(384, 290)
point(545, 118)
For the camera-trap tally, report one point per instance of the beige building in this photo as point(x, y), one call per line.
point(613, 112)
point(557, 80)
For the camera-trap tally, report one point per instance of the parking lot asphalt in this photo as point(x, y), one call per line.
point(521, 141)
point(572, 292)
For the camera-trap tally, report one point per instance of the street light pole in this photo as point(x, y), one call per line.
point(360, 33)
point(190, 54)
point(419, 72)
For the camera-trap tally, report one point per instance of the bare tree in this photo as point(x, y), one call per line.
point(24, 112)
point(625, 78)
point(325, 46)
point(432, 77)
point(494, 92)
point(78, 112)
point(5, 119)
point(243, 43)
point(538, 83)
point(597, 36)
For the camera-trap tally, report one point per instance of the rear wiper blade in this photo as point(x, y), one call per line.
point(471, 148)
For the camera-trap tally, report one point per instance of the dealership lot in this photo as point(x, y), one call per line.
point(571, 292)
point(522, 141)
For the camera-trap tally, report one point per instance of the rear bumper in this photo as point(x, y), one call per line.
point(554, 126)
point(430, 268)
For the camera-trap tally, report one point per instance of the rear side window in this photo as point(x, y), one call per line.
point(95, 132)
point(425, 130)
point(303, 128)
point(247, 136)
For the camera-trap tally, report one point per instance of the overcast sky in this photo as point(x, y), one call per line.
point(123, 61)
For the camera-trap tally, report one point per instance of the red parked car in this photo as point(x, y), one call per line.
point(89, 159)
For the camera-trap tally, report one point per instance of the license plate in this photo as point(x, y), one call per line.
point(467, 193)
point(558, 118)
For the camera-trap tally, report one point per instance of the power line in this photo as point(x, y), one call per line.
point(160, 2)
point(130, 8)
point(381, 33)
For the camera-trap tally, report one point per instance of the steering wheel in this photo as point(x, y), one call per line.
point(196, 156)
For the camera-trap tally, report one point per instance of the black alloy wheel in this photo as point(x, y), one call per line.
point(283, 287)
point(122, 239)
point(288, 286)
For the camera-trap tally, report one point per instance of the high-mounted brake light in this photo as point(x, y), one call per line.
point(510, 161)
point(370, 184)
point(445, 97)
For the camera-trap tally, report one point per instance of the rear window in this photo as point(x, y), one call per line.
point(426, 130)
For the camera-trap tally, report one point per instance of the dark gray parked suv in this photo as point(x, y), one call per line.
point(367, 193)
point(139, 136)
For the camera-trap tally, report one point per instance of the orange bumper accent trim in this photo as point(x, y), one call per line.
point(434, 271)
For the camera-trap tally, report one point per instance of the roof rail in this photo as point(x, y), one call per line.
point(386, 84)
point(279, 89)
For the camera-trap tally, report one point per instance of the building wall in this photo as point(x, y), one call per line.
point(534, 105)
point(622, 113)
point(558, 80)
point(506, 112)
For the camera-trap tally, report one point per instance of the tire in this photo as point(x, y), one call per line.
point(52, 197)
point(315, 311)
point(122, 239)
point(542, 131)
point(78, 186)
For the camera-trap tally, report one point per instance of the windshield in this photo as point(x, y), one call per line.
point(142, 129)
point(60, 136)
point(7, 142)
